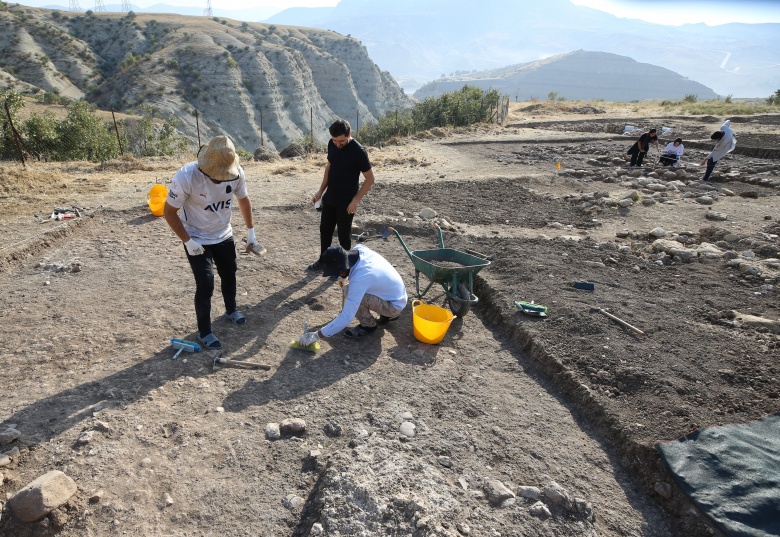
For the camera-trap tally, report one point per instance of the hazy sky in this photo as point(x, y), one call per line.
point(673, 12)
point(710, 12)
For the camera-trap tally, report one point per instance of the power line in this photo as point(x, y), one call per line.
point(207, 12)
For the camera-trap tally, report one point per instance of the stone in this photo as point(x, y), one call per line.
point(531, 493)
point(712, 215)
point(293, 502)
point(292, 426)
point(657, 232)
point(293, 150)
point(407, 429)
point(540, 510)
point(43, 495)
point(705, 200)
point(558, 495)
point(5, 460)
point(85, 437)
point(497, 492)
point(427, 213)
point(663, 489)
point(265, 154)
point(9, 435)
point(272, 431)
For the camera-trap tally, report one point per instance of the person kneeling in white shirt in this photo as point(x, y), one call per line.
point(371, 286)
point(672, 153)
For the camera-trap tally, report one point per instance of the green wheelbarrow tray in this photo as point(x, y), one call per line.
point(457, 281)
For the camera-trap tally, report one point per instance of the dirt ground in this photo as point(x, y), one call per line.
point(520, 425)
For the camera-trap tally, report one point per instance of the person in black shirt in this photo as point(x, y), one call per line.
point(640, 147)
point(340, 190)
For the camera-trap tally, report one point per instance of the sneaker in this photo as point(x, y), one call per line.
point(359, 331)
point(317, 265)
point(210, 341)
point(236, 317)
point(384, 319)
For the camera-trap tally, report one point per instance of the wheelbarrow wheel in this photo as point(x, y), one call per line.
point(460, 309)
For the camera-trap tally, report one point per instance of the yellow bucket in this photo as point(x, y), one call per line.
point(430, 322)
point(156, 199)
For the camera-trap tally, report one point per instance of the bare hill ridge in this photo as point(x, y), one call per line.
point(236, 75)
point(580, 75)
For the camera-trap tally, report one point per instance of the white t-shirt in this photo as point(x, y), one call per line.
point(670, 148)
point(373, 275)
point(205, 206)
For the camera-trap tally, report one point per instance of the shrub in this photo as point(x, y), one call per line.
point(690, 98)
point(774, 99)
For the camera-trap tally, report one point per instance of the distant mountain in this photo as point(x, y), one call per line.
point(419, 40)
point(578, 75)
point(238, 76)
point(252, 14)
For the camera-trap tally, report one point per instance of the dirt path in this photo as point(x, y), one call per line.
point(179, 448)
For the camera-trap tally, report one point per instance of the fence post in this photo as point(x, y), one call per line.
point(311, 126)
point(396, 121)
point(116, 129)
point(197, 126)
point(357, 120)
point(15, 134)
point(261, 127)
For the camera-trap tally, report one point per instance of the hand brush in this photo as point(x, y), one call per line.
point(314, 347)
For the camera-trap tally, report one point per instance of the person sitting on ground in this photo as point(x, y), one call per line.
point(726, 144)
point(370, 284)
point(640, 147)
point(672, 153)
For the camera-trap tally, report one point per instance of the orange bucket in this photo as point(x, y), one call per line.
point(430, 322)
point(156, 199)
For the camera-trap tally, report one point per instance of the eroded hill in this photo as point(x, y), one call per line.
point(238, 76)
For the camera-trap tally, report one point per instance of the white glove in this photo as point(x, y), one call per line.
point(193, 247)
point(250, 236)
point(308, 338)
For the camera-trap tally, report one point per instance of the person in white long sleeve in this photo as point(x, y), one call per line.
point(726, 144)
point(198, 210)
point(672, 153)
point(370, 285)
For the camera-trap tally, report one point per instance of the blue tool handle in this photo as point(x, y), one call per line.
point(195, 346)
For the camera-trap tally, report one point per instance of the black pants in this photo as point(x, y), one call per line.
point(710, 167)
point(333, 217)
point(223, 255)
point(637, 158)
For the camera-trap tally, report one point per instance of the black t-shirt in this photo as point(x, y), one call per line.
point(646, 139)
point(344, 175)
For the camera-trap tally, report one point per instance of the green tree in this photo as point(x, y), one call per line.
point(774, 99)
point(40, 135)
point(84, 136)
point(147, 137)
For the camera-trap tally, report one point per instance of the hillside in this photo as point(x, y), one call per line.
point(580, 75)
point(236, 75)
point(421, 39)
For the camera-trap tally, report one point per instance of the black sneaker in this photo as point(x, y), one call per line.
point(317, 265)
point(359, 331)
point(384, 319)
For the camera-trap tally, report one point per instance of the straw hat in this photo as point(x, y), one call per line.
point(218, 159)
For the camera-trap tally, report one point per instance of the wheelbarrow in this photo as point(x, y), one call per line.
point(452, 269)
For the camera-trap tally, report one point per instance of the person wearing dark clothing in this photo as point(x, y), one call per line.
point(640, 147)
point(340, 190)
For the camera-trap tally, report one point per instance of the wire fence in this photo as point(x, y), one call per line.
point(84, 134)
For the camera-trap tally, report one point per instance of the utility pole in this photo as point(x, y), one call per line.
point(207, 12)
